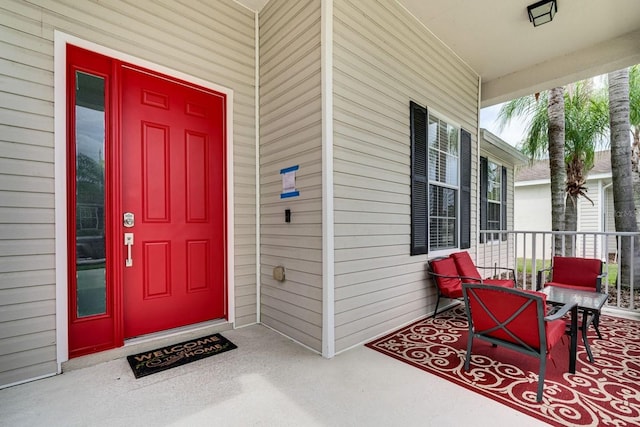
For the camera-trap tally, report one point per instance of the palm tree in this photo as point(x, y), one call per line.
point(625, 218)
point(542, 139)
point(557, 172)
point(634, 120)
point(585, 123)
point(634, 102)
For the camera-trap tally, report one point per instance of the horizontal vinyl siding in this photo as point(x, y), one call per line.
point(588, 213)
point(590, 219)
point(383, 59)
point(290, 134)
point(610, 246)
point(27, 228)
point(213, 41)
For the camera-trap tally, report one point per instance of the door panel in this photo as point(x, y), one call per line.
point(155, 173)
point(173, 183)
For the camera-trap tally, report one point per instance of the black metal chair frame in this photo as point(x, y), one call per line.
point(521, 346)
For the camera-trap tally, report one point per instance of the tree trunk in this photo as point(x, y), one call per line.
point(625, 215)
point(635, 171)
point(555, 111)
point(570, 224)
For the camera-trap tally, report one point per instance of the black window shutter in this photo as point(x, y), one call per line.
point(483, 196)
point(465, 189)
point(419, 181)
point(503, 202)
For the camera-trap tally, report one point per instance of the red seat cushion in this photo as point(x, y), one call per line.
point(576, 272)
point(450, 287)
point(564, 285)
point(465, 265)
point(555, 331)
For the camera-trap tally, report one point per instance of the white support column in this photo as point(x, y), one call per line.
point(257, 156)
point(328, 279)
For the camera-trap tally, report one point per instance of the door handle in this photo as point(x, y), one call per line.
point(128, 242)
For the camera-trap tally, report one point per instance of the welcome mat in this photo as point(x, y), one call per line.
point(150, 362)
point(603, 393)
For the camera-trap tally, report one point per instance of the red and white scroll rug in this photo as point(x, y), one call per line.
point(603, 393)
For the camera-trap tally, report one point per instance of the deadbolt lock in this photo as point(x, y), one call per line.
point(128, 219)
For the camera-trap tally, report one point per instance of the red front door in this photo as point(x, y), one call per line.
point(173, 184)
point(153, 147)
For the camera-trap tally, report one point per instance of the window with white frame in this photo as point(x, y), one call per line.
point(443, 141)
point(493, 195)
point(440, 183)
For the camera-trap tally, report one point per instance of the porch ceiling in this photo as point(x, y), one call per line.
point(496, 39)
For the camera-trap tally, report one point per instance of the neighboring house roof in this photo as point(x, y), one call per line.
point(498, 147)
point(539, 169)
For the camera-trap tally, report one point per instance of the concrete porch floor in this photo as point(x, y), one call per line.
point(267, 381)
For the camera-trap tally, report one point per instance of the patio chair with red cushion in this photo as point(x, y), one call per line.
point(574, 273)
point(448, 282)
point(467, 268)
point(514, 319)
point(450, 272)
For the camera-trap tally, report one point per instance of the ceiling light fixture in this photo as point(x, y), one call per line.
point(542, 12)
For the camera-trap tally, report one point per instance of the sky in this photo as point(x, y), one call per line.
point(512, 134)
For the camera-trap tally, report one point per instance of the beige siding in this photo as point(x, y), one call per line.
point(610, 245)
point(383, 59)
point(590, 219)
point(588, 216)
point(213, 41)
point(290, 134)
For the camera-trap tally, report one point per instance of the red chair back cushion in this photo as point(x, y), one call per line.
point(576, 272)
point(502, 305)
point(450, 287)
point(465, 265)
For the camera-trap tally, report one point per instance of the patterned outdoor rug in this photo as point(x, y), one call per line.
point(150, 362)
point(605, 393)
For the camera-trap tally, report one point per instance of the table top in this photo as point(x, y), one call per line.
point(589, 300)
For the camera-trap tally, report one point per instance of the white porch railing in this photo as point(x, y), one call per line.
point(530, 251)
